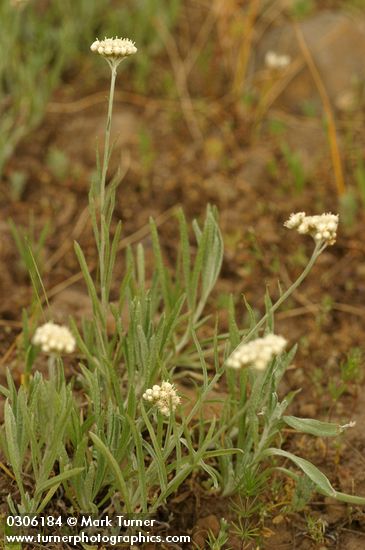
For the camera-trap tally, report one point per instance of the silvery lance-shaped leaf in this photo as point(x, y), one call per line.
point(313, 427)
point(321, 482)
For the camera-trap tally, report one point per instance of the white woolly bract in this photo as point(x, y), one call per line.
point(164, 397)
point(274, 60)
point(257, 353)
point(322, 227)
point(116, 48)
point(54, 338)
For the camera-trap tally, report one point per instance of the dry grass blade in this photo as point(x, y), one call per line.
point(89, 101)
point(245, 50)
point(332, 133)
point(7, 471)
point(180, 73)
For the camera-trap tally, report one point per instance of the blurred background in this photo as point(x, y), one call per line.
point(254, 106)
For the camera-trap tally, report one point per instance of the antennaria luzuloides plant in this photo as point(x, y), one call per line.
point(120, 426)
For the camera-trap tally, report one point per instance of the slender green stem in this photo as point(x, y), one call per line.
point(316, 252)
point(107, 137)
point(51, 363)
point(263, 440)
point(103, 229)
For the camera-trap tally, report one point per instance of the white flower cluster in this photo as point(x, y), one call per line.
point(164, 397)
point(54, 338)
point(274, 60)
point(114, 48)
point(321, 228)
point(257, 353)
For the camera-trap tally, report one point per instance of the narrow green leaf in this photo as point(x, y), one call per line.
point(222, 452)
point(141, 268)
point(319, 479)
point(161, 460)
point(114, 466)
point(269, 312)
point(56, 480)
point(140, 461)
point(12, 439)
point(185, 253)
point(161, 269)
point(89, 282)
point(47, 498)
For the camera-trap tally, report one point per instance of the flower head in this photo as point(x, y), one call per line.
point(274, 60)
point(322, 228)
point(114, 49)
point(257, 353)
point(54, 338)
point(164, 397)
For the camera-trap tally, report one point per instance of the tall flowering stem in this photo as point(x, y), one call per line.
point(316, 252)
point(106, 157)
point(114, 50)
point(107, 136)
point(323, 229)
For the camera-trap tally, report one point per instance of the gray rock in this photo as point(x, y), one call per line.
point(337, 44)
